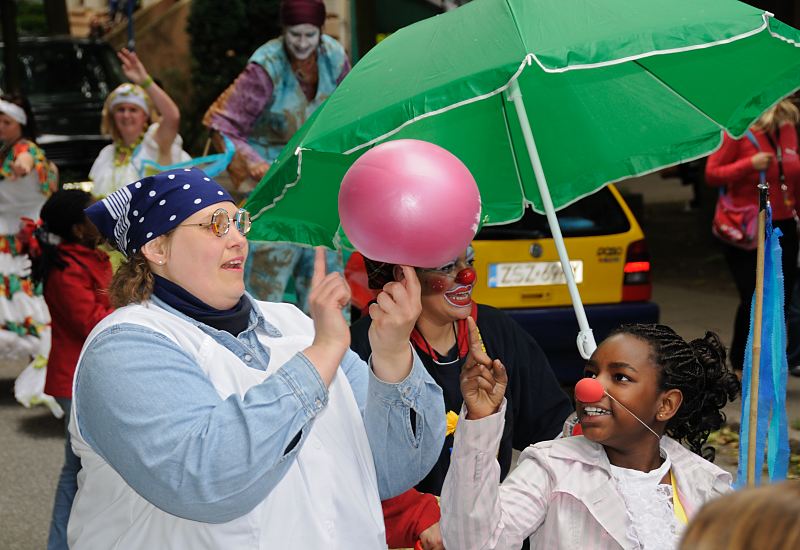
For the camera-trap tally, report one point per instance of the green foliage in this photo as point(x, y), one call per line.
point(30, 18)
point(223, 35)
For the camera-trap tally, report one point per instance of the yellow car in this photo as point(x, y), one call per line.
point(519, 271)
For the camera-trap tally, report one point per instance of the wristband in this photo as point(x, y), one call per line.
point(146, 82)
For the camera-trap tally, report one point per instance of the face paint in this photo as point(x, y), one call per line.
point(454, 280)
point(301, 40)
point(461, 296)
point(438, 284)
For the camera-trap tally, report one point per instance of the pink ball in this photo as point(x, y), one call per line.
point(589, 390)
point(409, 202)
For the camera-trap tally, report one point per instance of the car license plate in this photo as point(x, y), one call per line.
point(532, 273)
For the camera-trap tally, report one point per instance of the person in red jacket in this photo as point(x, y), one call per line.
point(736, 165)
point(76, 276)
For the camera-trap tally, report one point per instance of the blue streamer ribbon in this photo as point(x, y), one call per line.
point(771, 424)
point(216, 163)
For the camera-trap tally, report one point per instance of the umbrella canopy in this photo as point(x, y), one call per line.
point(545, 101)
point(612, 89)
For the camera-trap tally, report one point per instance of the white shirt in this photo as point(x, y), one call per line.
point(108, 178)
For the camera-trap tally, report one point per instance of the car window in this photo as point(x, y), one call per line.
point(597, 214)
point(69, 71)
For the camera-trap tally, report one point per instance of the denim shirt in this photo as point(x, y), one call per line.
point(187, 450)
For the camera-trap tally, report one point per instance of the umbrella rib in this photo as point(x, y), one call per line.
point(764, 25)
point(299, 153)
point(783, 38)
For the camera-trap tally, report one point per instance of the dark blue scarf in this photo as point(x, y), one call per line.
point(234, 320)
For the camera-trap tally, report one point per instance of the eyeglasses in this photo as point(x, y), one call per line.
point(221, 222)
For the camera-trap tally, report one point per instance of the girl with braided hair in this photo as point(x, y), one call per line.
point(627, 482)
point(75, 275)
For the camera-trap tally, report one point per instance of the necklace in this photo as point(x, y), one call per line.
point(123, 153)
point(425, 346)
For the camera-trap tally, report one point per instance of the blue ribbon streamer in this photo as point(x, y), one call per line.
point(217, 162)
point(771, 424)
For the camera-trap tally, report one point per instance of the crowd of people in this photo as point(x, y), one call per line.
point(202, 411)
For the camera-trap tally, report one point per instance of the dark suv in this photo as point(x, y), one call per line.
point(66, 80)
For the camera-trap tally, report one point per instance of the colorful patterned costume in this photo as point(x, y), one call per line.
point(266, 104)
point(108, 176)
point(24, 319)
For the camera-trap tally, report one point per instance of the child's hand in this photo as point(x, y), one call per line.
point(483, 380)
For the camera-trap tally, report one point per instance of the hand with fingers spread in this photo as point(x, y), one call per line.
point(329, 295)
point(483, 380)
point(132, 67)
point(394, 314)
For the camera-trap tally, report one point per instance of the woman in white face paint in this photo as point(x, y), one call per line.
point(285, 80)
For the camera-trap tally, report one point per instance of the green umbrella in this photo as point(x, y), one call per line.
point(540, 99)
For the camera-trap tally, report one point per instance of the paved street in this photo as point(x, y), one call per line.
point(692, 288)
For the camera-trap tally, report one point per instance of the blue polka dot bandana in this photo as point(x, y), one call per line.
point(152, 206)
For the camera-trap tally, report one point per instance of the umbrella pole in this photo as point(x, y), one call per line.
point(586, 342)
point(755, 370)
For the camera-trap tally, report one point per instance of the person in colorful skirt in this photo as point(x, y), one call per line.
point(76, 276)
point(142, 121)
point(27, 178)
point(284, 81)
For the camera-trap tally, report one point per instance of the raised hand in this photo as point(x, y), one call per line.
point(22, 165)
point(483, 380)
point(132, 66)
point(761, 160)
point(329, 295)
point(257, 171)
point(394, 315)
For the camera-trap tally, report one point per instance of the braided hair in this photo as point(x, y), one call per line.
point(62, 211)
point(698, 369)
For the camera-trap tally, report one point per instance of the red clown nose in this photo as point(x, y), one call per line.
point(466, 276)
point(589, 390)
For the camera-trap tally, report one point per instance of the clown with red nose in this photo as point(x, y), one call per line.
point(412, 203)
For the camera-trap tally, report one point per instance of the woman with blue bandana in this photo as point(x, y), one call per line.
point(206, 419)
point(142, 121)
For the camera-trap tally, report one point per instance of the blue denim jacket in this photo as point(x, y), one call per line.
point(144, 406)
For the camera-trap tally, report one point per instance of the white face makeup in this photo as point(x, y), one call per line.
point(301, 40)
